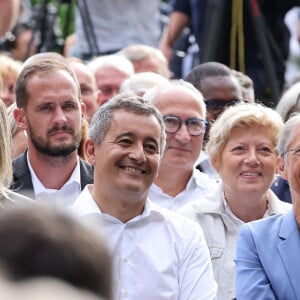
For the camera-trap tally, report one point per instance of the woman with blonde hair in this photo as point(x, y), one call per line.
point(6, 196)
point(242, 149)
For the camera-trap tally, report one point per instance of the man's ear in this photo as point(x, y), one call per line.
point(99, 97)
point(20, 117)
point(281, 168)
point(83, 109)
point(89, 148)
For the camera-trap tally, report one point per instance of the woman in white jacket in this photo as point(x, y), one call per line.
point(242, 149)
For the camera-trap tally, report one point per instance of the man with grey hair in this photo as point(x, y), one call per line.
point(183, 109)
point(110, 71)
point(157, 254)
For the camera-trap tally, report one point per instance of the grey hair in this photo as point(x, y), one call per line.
point(153, 93)
point(288, 101)
point(102, 119)
point(287, 134)
point(115, 61)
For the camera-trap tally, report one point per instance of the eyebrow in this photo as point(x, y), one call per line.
point(132, 135)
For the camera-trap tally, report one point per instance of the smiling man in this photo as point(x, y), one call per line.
point(156, 254)
point(50, 111)
point(178, 181)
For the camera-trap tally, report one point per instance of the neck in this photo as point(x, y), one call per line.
point(122, 205)
point(247, 207)
point(172, 182)
point(53, 172)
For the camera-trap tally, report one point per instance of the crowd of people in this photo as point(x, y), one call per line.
point(120, 181)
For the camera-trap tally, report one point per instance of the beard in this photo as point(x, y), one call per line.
point(44, 146)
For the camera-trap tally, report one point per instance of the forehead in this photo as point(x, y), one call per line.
point(295, 138)
point(221, 87)
point(52, 85)
point(178, 99)
point(256, 131)
point(105, 73)
point(83, 74)
point(139, 125)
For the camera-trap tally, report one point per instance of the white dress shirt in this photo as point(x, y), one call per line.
point(199, 185)
point(63, 197)
point(156, 255)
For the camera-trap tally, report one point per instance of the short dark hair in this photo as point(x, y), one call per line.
point(42, 65)
point(39, 242)
point(207, 69)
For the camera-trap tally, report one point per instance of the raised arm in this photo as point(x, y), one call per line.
point(172, 32)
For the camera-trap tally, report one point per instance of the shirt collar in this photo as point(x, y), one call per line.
point(86, 205)
point(38, 186)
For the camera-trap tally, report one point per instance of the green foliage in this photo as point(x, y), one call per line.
point(65, 14)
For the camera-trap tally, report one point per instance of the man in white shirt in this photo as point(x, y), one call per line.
point(157, 254)
point(49, 109)
point(178, 181)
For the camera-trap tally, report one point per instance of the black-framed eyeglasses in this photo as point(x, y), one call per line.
point(295, 151)
point(217, 106)
point(195, 126)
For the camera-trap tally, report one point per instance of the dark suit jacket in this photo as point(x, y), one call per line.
point(22, 182)
point(282, 189)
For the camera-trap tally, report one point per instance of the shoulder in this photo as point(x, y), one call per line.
point(278, 206)
point(16, 198)
point(177, 223)
point(85, 165)
point(210, 203)
point(263, 228)
point(20, 162)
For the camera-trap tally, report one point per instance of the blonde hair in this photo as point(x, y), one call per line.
point(5, 154)
point(245, 115)
point(9, 67)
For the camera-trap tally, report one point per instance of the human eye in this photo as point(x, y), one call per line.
point(86, 90)
point(196, 124)
point(297, 152)
point(238, 149)
point(215, 104)
point(46, 107)
point(266, 150)
point(171, 121)
point(151, 148)
point(11, 89)
point(106, 90)
point(69, 106)
point(126, 142)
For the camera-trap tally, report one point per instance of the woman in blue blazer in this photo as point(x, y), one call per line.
point(268, 251)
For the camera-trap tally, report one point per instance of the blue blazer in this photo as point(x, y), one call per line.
point(268, 259)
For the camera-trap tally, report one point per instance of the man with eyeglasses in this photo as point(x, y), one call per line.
point(220, 89)
point(178, 181)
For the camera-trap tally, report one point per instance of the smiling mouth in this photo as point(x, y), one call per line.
point(250, 174)
point(134, 170)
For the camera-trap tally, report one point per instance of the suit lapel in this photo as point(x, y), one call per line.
point(289, 249)
point(21, 174)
